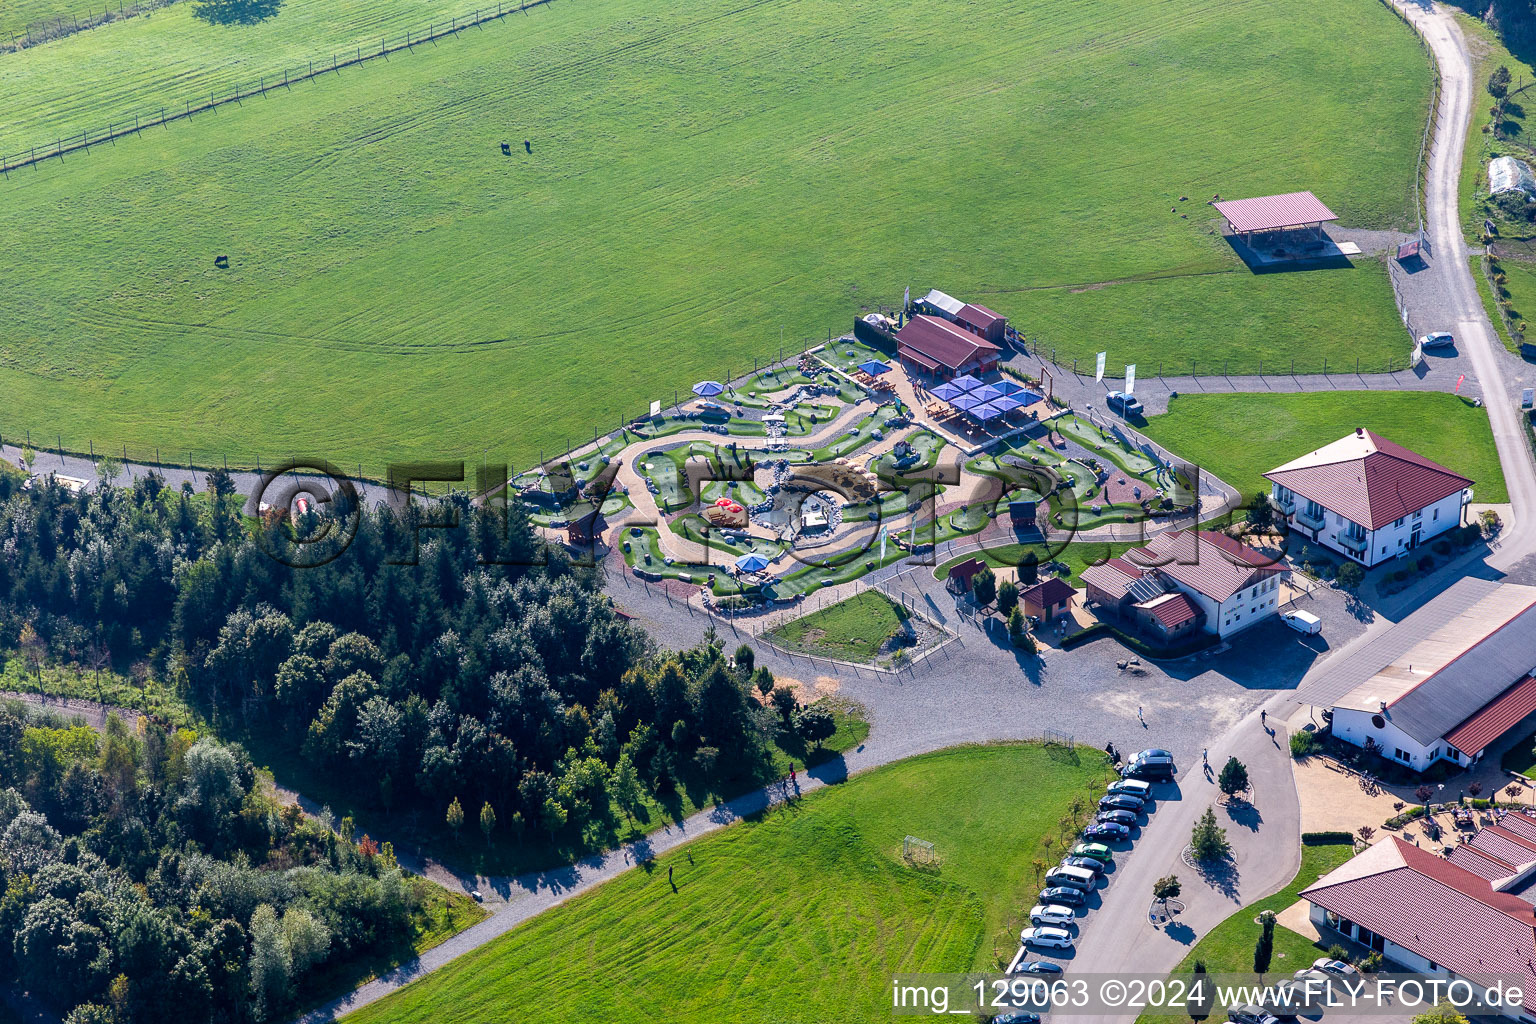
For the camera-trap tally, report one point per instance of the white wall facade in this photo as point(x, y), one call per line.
point(1357, 726)
point(1381, 545)
point(1328, 924)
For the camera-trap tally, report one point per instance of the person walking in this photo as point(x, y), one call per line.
point(1141, 716)
point(1264, 718)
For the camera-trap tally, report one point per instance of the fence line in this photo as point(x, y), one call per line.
point(46, 30)
point(115, 130)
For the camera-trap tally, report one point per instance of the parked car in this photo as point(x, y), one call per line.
point(1150, 769)
point(1092, 864)
point(1063, 895)
point(1039, 967)
point(1118, 817)
point(1142, 755)
point(1290, 999)
point(1303, 622)
point(1017, 1018)
point(1073, 877)
point(1438, 339)
point(1052, 913)
point(1335, 967)
point(1107, 831)
point(1097, 851)
point(1128, 405)
point(1250, 1015)
point(1135, 787)
point(1120, 802)
point(1052, 938)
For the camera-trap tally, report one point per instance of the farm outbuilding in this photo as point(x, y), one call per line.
point(1506, 174)
point(1293, 211)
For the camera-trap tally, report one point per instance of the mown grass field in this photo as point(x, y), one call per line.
point(799, 917)
point(1077, 556)
point(704, 175)
point(1240, 437)
point(168, 56)
point(853, 628)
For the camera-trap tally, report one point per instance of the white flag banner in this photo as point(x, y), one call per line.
point(1098, 374)
point(1418, 354)
point(656, 408)
point(1130, 379)
point(883, 531)
point(906, 297)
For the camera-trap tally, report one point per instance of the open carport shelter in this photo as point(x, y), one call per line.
point(1294, 211)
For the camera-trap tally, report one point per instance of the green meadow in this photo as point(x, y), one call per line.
point(1277, 428)
point(797, 918)
point(706, 178)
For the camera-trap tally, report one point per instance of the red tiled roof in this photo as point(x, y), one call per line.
point(1496, 841)
point(1520, 823)
point(979, 317)
point(1049, 592)
point(941, 342)
point(1265, 213)
point(1114, 577)
point(1480, 862)
point(1496, 718)
point(1207, 562)
point(1368, 479)
point(1433, 907)
point(1172, 610)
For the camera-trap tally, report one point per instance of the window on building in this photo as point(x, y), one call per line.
point(1402, 755)
point(1436, 515)
point(1398, 523)
point(1419, 514)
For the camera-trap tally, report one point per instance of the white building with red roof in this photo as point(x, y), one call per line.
point(1434, 916)
point(1368, 498)
point(1186, 580)
point(1444, 683)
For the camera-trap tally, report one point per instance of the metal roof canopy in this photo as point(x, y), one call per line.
point(1270, 213)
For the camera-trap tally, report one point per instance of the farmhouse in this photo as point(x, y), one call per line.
point(1368, 498)
point(1187, 580)
point(939, 348)
point(1436, 916)
point(1442, 684)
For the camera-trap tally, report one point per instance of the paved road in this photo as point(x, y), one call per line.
point(1119, 937)
point(1464, 308)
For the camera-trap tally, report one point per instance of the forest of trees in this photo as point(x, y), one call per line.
point(151, 877)
point(512, 686)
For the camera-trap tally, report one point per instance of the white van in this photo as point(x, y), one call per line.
point(1303, 622)
point(1077, 878)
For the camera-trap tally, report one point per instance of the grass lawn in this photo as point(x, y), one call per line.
point(1077, 556)
point(705, 177)
point(1489, 52)
point(797, 918)
point(1228, 948)
point(1240, 437)
point(853, 629)
point(1518, 291)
